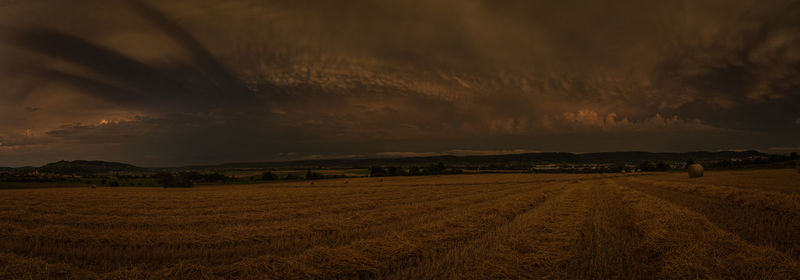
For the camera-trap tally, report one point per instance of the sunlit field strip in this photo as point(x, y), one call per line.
point(178, 215)
point(216, 246)
point(154, 202)
point(211, 244)
point(418, 207)
point(211, 220)
point(295, 219)
point(177, 202)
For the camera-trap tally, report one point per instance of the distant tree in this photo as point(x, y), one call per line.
point(206, 177)
point(647, 166)
point(313, 175)
point(179, 180)
point(268, 176)
point(393, 171)
point(662, 166)
point(615, 168)
point(377, 171)
point(435, 168)
point(414, 171)
point(725, 163)
point(776, 158)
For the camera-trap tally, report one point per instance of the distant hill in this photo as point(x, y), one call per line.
point(512, 161)
point(519, 160)
point(87, 167)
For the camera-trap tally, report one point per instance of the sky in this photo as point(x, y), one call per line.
point(166, 83)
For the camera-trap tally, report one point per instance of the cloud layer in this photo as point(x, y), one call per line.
point(186, 82)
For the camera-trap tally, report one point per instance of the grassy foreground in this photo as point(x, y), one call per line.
point(727, 225)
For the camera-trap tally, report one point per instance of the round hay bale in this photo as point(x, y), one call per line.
point(695, 171)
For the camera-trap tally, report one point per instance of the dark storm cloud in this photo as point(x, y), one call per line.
point(183, 82)
point(125, 81)
point(756, 60)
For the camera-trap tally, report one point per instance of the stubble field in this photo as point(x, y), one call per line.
point(733, 224)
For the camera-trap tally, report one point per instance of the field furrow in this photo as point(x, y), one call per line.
point(680, 244)
point(164, 248)
point(606, 244)
point(382, 256)
point(532, 245)
point(499, 226)
point(760, 224)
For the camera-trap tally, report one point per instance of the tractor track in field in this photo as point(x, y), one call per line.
point(760, 226)
point(514, 226)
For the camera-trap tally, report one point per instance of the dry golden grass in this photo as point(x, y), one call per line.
point(756, 213)
point(503, 226)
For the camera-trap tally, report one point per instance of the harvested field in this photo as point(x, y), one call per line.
point(726, 225)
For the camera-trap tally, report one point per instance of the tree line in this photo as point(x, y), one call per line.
point(433, 169)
